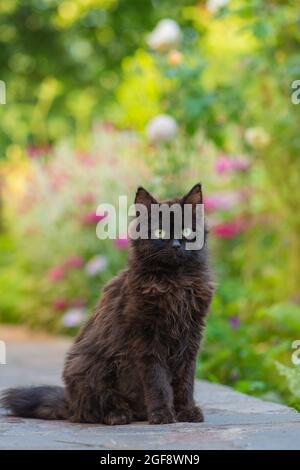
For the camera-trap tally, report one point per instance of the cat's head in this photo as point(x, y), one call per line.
point(179, 241)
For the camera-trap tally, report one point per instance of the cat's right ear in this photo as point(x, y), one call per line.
point(143, 197)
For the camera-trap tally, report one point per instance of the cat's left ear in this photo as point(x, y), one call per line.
point(194, 196)
point(144, 197)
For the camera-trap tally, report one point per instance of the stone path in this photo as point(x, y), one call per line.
point(233, 420)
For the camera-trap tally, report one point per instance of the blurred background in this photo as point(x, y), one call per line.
point(106, 95)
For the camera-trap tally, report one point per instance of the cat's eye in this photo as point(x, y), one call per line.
point(187, 232)
point(159, 233)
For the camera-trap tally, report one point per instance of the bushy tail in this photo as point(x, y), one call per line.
point(45, 402)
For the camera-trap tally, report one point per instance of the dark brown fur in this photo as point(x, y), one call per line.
point(135, 357)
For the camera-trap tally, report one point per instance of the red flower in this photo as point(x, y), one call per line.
point(60, 304)
point(229, 229)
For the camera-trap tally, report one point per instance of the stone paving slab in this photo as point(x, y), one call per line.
point(233, 420)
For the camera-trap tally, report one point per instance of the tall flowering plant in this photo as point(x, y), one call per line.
point(52, 219)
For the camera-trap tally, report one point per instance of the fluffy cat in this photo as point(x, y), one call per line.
point(135, 357)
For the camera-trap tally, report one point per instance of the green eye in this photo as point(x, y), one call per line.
point(187, 232)
point(159, 233)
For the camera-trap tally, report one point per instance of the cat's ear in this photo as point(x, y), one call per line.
point(144, 197)
point(194, 196)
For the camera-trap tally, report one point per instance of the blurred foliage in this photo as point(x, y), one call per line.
point(83, 82)
point(61, 62)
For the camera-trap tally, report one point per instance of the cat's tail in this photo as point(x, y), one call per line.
point(46, 402)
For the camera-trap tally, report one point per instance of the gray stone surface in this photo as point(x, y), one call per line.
point(233, 420)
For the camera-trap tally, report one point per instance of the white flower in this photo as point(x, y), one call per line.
point(74, 317)
point(162, 128)
point(257, 137)
point(215, 5)
point(95, 265)
point(165, 35)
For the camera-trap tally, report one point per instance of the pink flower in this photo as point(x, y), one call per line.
point(60, 304)
point(86, 198)
point(79, 302)
point(56, 274)
point(95, 265)
point(38, 150)
point(221, 201)
point(108, 126)
point(92, 218)
point(85, 158)
point(234, 322)
point(122, 242)
point(241, 164)
point(58, 180)
point(224, 164)
point(32, 230)
point(229, 229)
point(73, 262)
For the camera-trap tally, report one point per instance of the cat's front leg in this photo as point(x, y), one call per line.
point(157, 390)
point(183, 387)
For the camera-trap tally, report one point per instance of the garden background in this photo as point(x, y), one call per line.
point(106, 95)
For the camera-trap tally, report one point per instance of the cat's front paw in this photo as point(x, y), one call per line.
point(190, 415)
point(162, 416)
point(116, 417)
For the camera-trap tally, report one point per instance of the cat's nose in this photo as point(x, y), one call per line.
point(176, 244)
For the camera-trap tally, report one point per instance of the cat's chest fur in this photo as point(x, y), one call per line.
point(173, 307)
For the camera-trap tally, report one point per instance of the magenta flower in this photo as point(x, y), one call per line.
point(229, 229)
point(234, 322)
point(122, 242)
point(92, 218)
point(221, 201)
point(60, 304)
point(56, 274)
point(225, 163)
point(73, 262)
